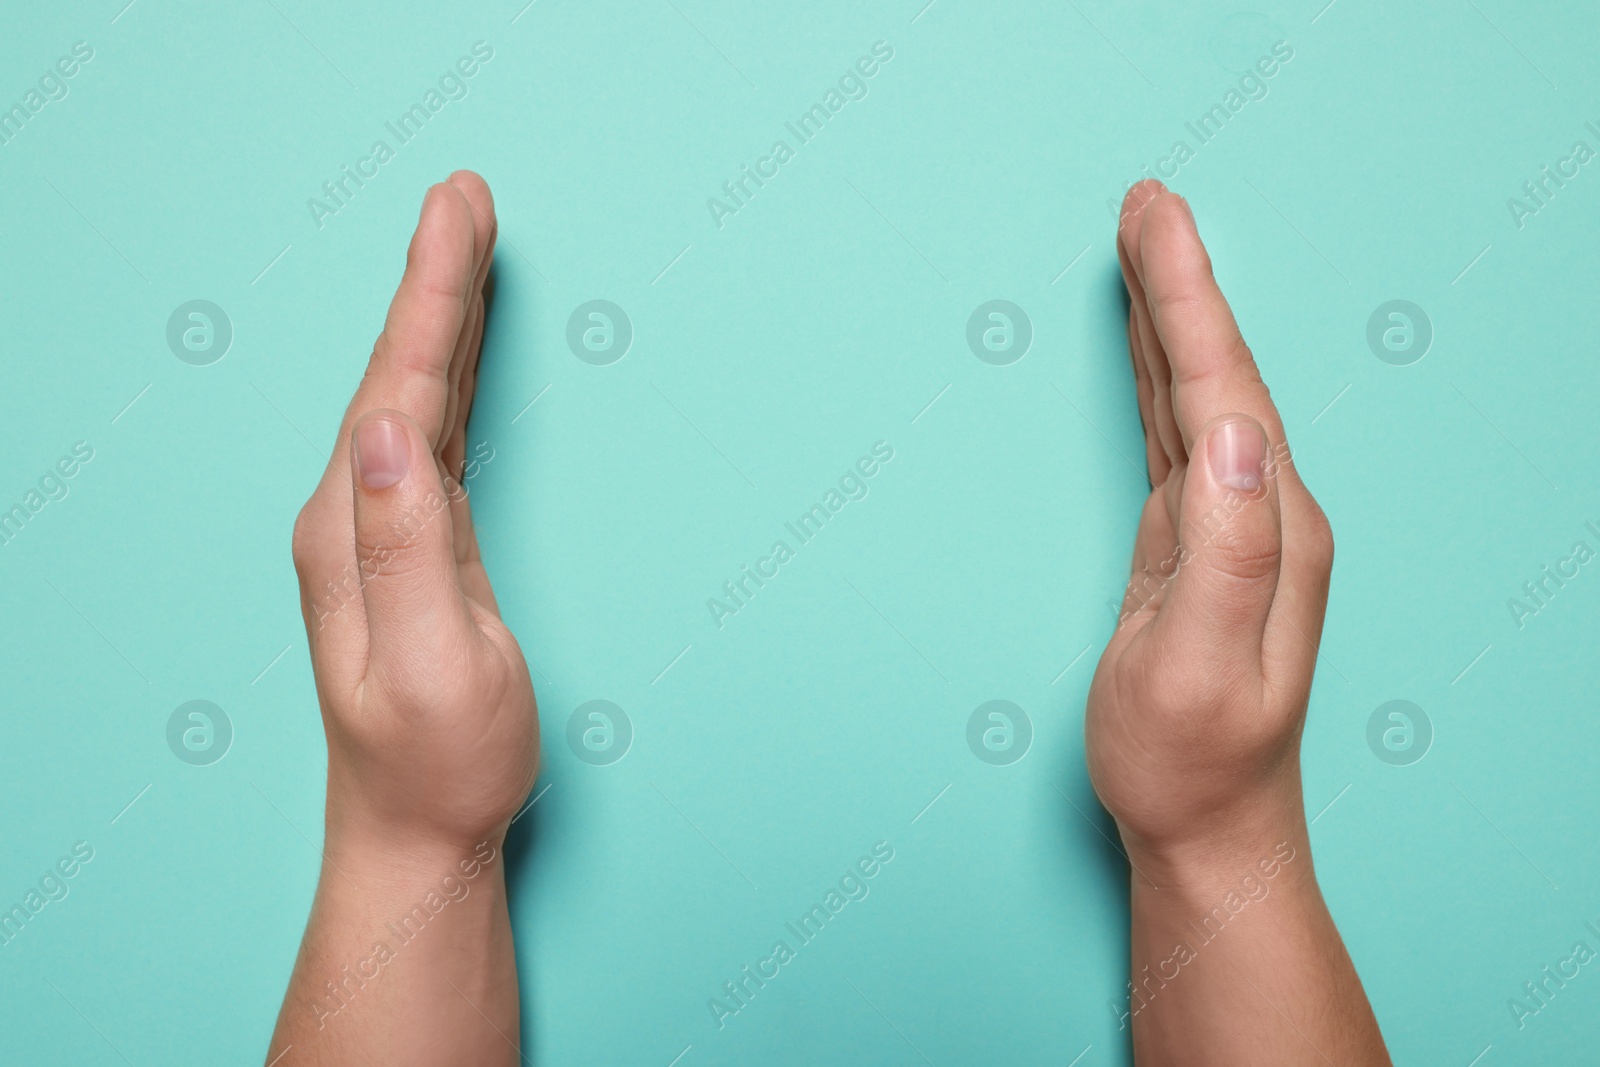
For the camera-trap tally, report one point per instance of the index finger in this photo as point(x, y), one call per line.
point(409, 370)
point(1213, 372)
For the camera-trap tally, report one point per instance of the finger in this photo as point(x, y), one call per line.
point(485, 226)
point(454, 452)
point(1213, 373)
point(1154, 560)
point(403, 541)
point(409, 365)
point(1155, 456)
point(476, 192)
point(1212, 369)
point(1218, 604)
point(1129, 230)
point(471, 332)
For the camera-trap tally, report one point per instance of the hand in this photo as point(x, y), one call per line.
point(426, 698)
point(1195, 713)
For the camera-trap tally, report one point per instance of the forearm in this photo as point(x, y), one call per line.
point(407, 958)
point(1236, 960)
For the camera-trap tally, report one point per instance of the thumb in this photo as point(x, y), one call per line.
point(403, 537)
point(1231, 543)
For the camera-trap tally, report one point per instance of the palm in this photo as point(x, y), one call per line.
point(426, 695)
point(1201, 691)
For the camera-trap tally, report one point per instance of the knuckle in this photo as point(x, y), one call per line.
point(1246, 555)
point(1319, 539)
point(1237, 541)
point(305, 542)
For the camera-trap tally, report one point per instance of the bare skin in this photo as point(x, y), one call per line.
point(1193, 723)
point(1196, 709)
point(426, 698)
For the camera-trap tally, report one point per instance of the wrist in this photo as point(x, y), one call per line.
point(377, 855)
point(366, 819)
point(1262, 837)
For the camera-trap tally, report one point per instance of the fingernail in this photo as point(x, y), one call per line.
point(383, 453)
point(1238, 453)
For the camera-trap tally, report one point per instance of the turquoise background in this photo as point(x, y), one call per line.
point(768, 355)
